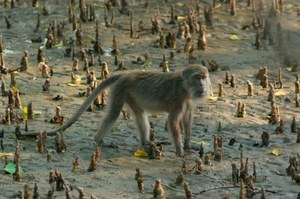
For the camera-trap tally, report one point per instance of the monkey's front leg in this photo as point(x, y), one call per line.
point(187, 124)
point(174, 127)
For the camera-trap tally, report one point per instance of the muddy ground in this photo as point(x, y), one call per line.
point(230, 43)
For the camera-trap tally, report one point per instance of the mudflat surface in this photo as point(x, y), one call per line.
point(230, 43)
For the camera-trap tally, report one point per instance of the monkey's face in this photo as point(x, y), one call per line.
point(200, 86)
point(197, 82)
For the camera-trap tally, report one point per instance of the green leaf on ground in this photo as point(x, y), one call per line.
point(11, 168)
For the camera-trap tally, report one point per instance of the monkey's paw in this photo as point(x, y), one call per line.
point(195, 147)
point(180, 153)
point(100, 142)
point(187, 145)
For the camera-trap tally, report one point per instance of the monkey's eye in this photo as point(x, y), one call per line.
point(197, 77)
point(203, 76)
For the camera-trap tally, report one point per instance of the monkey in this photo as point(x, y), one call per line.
point(174, 92)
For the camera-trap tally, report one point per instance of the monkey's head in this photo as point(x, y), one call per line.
point(196, 81)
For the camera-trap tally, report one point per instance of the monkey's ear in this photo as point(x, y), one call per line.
point(203, 69)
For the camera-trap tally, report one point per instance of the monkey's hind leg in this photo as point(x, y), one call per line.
point(175, 129)
point(116, 103)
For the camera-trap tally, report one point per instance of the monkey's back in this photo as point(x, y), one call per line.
point(152, 90)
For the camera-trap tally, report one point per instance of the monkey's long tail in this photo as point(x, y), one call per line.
point(86, 104)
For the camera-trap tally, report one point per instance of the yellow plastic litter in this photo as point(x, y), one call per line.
point(14, 89)
point(73, 85)
point(289, 69)
point(199, 142)
point(179, 4)
point(25, 110)
point(140, 153)
point(3, 154)
point(37, 112)
point(212, 98)
point(234, 37)
point(181, 18)
point(280, 93)
point(76, 79)
point(277, 151)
